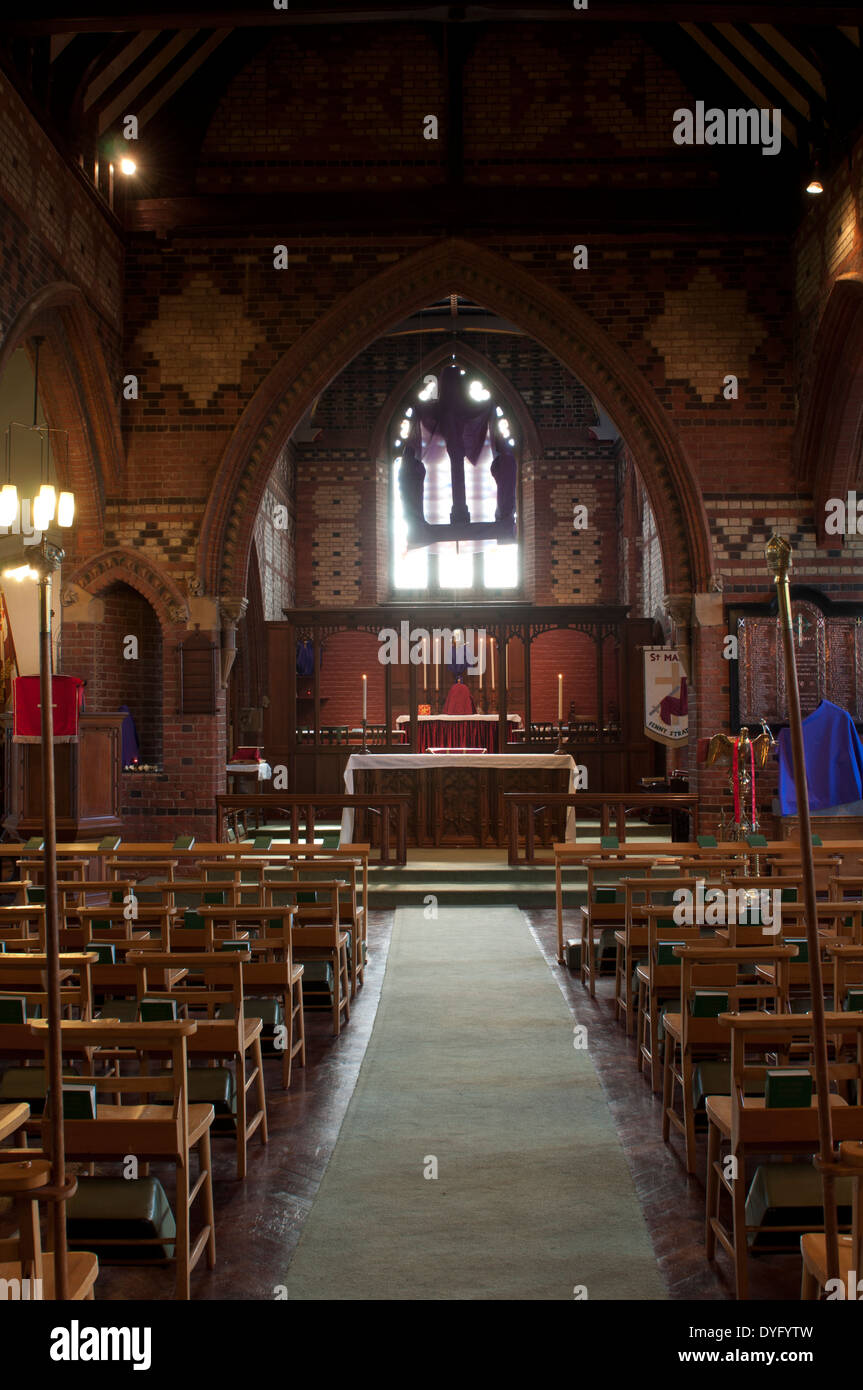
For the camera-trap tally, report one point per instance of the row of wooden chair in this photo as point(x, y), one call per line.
point(731, 992)
point(143, 951)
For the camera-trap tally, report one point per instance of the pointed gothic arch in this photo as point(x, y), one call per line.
point(363, 315)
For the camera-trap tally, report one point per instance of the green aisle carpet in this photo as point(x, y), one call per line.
point(471, 1062)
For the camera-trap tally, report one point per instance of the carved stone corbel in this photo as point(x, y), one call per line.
point(231, 611)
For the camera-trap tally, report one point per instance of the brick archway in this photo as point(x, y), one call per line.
point(360, 317)
point(120, 566)
point(76, 394)
point(828, 444)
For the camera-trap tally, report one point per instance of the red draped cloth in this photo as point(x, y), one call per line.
point(675, 704)
point(68, 694)
point(459, 700)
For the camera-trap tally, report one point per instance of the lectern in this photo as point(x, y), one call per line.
point(87, 780)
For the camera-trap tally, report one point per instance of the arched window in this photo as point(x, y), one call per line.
point(454, 471)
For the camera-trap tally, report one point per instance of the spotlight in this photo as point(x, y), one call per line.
point(127, 166)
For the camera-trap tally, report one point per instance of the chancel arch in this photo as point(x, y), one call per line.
point(579, 342)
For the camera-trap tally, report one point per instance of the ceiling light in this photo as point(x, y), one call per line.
point(8, 504)
point(127, 165)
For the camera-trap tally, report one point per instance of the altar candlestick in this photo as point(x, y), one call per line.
point(365, 697)
point(560, 699)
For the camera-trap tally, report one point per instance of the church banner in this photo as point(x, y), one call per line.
point(666, 704)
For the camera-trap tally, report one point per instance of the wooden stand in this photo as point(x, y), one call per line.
point(87, 780)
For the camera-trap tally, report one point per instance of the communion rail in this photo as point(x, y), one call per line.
point(523, 809)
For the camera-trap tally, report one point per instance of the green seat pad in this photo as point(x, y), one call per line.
point(118, 1209)
point(318, 983)
point(213, 1086)
point(710, 1079)
point(269, 1010)
point(24, 1083)
point(126, 1010)
point(790, 1194)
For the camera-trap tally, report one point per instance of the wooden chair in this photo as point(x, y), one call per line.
point(813, 1245)
point(24, 974)
point(604, 911)
point(22, 926)
point(21, 1259)
point(632, 942)
point(658, 982)
point(691, 1036)
point(270, 970)
point(19, 888)
point(848, 975)
point(135, 869)
point(318, 935)
point(100, 923)
point(67, 868)
point(352, 917)
point(75, 893)
point(749, 1127)
point(168, 1130)
point(233, 1038)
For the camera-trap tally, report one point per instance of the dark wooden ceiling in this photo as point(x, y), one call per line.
point(82, 67)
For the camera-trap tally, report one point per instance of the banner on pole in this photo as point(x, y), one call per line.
point(666, 704)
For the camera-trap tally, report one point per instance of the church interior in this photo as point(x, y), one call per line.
point(432, 653)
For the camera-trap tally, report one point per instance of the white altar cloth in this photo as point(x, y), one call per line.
point(399, 761)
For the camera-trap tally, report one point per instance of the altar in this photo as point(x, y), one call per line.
point(460, 730)
point(457, 797)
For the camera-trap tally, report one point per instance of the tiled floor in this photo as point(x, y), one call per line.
point(258, 1221)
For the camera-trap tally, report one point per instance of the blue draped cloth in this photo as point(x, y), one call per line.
point(834, 761)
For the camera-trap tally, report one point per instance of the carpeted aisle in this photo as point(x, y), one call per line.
point(471, 1062)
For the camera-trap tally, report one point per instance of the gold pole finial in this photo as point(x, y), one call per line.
point(778, 554)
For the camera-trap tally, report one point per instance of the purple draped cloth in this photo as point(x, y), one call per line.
point(833, 755)
point(464, 425)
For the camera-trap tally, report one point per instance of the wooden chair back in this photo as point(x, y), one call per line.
point(22, 926)
point(791, 1128)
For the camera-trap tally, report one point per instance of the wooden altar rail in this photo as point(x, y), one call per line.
point(535, 802)
point(304, 807)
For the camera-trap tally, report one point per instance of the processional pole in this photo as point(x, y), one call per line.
point(778, 554)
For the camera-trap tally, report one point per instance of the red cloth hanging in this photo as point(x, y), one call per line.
point(459, 700)
point(675, 704)
point(68, 696)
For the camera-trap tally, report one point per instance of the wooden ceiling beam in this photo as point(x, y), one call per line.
point(740, 80)
point(104, 18)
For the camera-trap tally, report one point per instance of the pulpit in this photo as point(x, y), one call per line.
point(87, 780)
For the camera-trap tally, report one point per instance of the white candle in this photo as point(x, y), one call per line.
point(365, 698)
point(436, 662)
point(491, 658)
point(425, 663)
point(481, 657)
point(560, 699)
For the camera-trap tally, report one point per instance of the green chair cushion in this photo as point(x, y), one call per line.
point(786, 1194)
point(317, 983)
point(117, 1209)
point(25, 1083)
point(125, 1010)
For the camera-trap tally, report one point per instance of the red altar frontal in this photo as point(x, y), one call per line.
point(458, 731)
